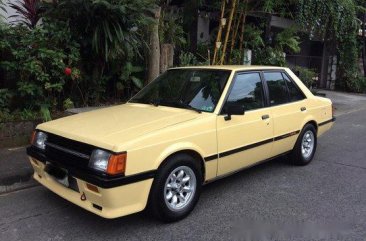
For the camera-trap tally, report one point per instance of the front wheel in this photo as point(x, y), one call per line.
point(176, 188)
point(305, 147)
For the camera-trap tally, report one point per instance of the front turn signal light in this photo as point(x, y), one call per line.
point(117, 164)
point(33, 137)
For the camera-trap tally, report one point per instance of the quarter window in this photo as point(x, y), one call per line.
point(247, 91)
point(278, 92)
point(294, 93)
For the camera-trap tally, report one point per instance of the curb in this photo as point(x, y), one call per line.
point(18, 186)
point(17, 178)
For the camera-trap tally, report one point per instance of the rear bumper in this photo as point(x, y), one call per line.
point(113, 197)
point(325, 126)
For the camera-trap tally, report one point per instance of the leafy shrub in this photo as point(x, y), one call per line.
point(39, 58)
point(110, 33)
point(187, 59)
point(5, 96)
point(269, 56)
point(307, 76)
point(357, 83)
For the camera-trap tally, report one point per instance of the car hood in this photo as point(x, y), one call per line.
point(109, 127)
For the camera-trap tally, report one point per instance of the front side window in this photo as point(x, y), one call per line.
point(247, 91)
point(199, 89)
point(278, 92)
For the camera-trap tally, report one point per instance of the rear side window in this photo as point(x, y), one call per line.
point(278, 92)
point(295, 93)
point(247, 91)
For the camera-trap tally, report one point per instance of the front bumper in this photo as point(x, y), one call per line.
point(112, 198)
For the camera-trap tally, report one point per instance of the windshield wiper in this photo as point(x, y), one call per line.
point(186, 106)
point(154, 103)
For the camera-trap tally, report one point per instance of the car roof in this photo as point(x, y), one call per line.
point(233, 67)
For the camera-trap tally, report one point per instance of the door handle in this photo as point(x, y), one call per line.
point(265, 117)
point(303, 109)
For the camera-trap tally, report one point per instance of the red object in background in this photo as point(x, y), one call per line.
point(68, 71)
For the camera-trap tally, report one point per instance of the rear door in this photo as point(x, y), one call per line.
point(246, 139)
point(288, 106)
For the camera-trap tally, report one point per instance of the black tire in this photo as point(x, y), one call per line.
point(297, 157)
point(157, 204)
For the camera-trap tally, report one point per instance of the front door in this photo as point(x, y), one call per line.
point(247, 139)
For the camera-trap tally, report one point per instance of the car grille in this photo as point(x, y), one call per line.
point(68, 152)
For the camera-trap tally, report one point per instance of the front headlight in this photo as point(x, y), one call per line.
point(99, 160)
point(108, 162)
point(39, 140)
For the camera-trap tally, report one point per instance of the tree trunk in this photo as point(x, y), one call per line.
point(166, 57)
point(154, 51)
point(268, 37)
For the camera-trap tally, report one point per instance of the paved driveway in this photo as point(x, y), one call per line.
point(274, 201)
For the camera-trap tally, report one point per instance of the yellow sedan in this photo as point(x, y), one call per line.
point(188, 127)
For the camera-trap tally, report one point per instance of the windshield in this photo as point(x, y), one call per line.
point(197, 89)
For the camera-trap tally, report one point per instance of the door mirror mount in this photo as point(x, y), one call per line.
point(234, 110)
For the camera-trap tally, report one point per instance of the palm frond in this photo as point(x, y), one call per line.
point(28, 12)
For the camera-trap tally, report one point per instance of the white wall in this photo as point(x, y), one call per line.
point(9, 12)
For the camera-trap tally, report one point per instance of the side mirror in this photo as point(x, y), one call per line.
point(234, 110)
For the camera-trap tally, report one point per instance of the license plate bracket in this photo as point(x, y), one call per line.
point(58, 174)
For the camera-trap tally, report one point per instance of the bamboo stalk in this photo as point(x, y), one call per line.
point(242, 30)
point(218, 38)
point(228, 32)
point(235, 31)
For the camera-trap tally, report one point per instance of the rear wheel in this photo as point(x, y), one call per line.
point(304, 150)
point(176, 188)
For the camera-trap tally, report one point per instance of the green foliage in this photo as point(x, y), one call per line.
point(253, 37)
point(336, 22)
point(187, 59)
point(38, 59)
point(28, 114)
point(307, 76)
point(357, 83)
point(128, 76)
point(5, 96)
point(68, 104)
point(110, 28)
point(111, 33)
point(171, 29)
point(269, 56)
point(287, 41)
point(45, 113)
